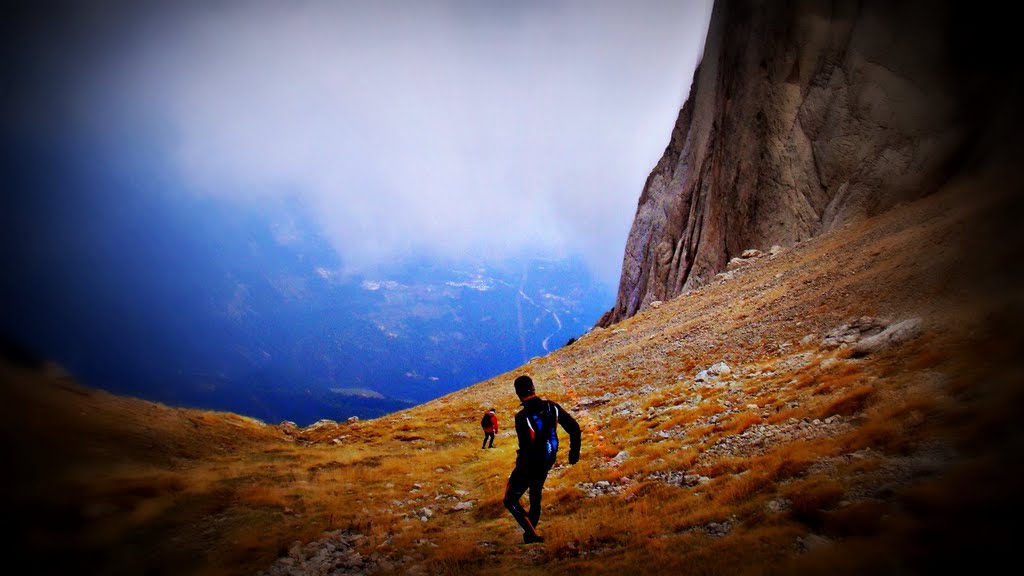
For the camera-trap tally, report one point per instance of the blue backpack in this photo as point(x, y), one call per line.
point(545, 438)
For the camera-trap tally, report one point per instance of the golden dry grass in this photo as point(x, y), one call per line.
point(802, 460)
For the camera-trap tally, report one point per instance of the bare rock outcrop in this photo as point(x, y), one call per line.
point(803, 116)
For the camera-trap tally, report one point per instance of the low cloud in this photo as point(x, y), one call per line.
point(447, 129)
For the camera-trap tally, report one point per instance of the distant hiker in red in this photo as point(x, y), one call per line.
point(537, 428)
point(490, 425)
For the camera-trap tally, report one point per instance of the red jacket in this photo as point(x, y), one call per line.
point(490, 423)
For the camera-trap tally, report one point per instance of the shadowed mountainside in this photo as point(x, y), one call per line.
point(845, 406)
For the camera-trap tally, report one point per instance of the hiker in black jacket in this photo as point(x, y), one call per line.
point(537, 427)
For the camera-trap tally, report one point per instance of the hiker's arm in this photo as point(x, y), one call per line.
point(572, 428)
point(525, 434)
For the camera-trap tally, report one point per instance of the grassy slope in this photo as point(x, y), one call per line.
point(804, 459)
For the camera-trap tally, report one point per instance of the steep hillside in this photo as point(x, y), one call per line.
point(804, 116)
point(845, 405)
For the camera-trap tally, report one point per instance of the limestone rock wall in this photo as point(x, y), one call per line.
point(802, 116)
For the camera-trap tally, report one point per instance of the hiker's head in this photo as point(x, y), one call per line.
point(524, 386)
point(492, 410)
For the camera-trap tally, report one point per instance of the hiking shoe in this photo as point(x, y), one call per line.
point(531, 538)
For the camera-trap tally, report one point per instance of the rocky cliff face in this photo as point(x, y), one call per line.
point(802, 116)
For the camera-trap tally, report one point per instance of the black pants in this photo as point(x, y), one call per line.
point(526, 477)
point(488, 436)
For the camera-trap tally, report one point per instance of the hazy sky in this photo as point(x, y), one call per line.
point(436, 128)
